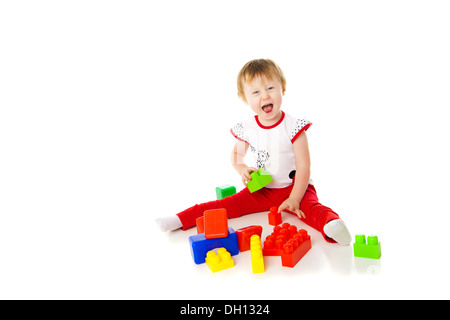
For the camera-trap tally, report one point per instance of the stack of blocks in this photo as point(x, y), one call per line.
point(215, 233)
point(371, 249)
point(215, 223)
point(287, 242)
point(259, 180)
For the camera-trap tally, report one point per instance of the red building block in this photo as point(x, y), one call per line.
point(244, 235)
point(200, 222)
point(287, 242)
point(216, 223)
point(295, 249)
point(274, 216)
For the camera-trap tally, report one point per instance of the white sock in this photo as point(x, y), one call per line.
point(169, 223)
point(336, 230)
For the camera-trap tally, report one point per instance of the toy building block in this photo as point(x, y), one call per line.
point(256, 254)
point(216, 223)
point(200, 223)
point(259, 180)
point(274, 216)
point(287, 242)
point(200, 245)
point(244, 234)
point(273, 245)
point(371, 249)
point(225, 191)
point(295, 249)
point(219, 261)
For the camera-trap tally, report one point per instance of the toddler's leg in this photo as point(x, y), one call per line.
point(324, 219)
point(236, 205)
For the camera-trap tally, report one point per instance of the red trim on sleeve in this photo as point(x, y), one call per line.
point(231, 130)
point(301, 130)
point(272, 126)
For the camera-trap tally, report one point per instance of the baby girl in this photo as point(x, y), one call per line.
point(279, 143)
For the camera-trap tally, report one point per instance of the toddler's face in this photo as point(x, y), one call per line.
point(264, 96)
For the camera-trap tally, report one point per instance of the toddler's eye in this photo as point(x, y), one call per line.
point(270, 88)
point(255, 92)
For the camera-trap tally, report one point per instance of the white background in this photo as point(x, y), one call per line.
point(113, 113)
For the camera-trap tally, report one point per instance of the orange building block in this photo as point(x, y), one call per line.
point(216, 223)
point(244, 234)
point(274, 216)
point(200, 223)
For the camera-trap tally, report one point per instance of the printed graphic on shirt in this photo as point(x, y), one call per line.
point(238, 131)
point(299, 125)
point(262, 159)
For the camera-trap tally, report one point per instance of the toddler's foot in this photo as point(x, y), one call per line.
point(336, 230)
point(169, 223)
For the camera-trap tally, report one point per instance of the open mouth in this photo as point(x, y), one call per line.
point(267, 108)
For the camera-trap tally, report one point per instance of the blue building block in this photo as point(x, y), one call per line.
point(200, 245)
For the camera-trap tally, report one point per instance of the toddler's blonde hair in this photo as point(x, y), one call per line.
point(256, 68)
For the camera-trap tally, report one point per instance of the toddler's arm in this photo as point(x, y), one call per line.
point(237, 160)
point(302, 174)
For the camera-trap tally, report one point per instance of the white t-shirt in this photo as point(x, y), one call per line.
point(272, 146)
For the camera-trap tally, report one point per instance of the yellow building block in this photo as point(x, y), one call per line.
point(220, 260)
point(256, 254)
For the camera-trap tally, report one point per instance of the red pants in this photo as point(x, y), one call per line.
point(244, 202)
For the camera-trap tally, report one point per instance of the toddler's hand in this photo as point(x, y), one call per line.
point(292, 205)
point(245, 174)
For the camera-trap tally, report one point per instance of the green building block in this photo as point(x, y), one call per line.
point(259, 180)
point(371, 249)
point(225, 191)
